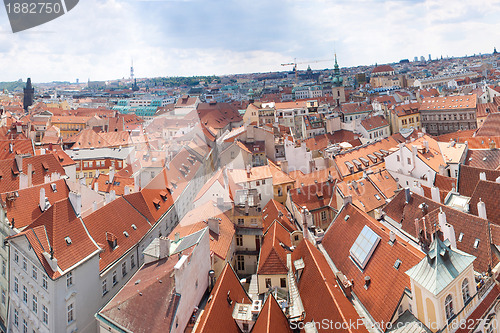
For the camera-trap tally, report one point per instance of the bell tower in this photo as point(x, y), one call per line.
point(338, 92)
point(29, 92)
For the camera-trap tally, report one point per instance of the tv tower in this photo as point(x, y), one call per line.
point(132, 70)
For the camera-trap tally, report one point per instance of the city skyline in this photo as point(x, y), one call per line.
point(96, 40)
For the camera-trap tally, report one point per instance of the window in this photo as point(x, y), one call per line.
point(323, 215)
point(409, 161)
point(397, 158)
point(257, 183)
point(85, 164)
point(460, 237)
point(35, 304)
point(25, 294)
point(448, 305)
point(45, 316)
point(69, 279)
point(124, 269)
point(283, 283)
point(25, 264)
point(263, 182)
point(4, 268)
point(364, 246)
point(16, 318)
point(16, 285)
point(90, 164)
point(4, 297)
point(476, 243)
point(268, 283)
point(132, 261)
point(34, 272)
point(296, 237)
point(115, 280)
point(104, 287)
point(465, 291)
point(241, 221)
point(489, 329)
point(239, 240)
point(70, 313)
point(240, 261)
point(16, 256)
point(45, 283)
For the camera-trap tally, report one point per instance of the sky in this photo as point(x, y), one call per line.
point(98, 39)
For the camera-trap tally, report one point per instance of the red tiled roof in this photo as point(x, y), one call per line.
point(274, 210)
point(481, 310)
point(486, 191)
point(116, 217)
point(382, 69)
point(19, 147)
point(323, 298)
point(218, 314)
point(271, 318)
point(220, 243)
point(491, 126)
point(483, 158)
point(148, 301)
point(272, 257)
point(315, 196)
point(373, 123)
point(24, 208)
point(364, 194)
point(52, 229)
point(468, 177)
point(445, 183)
point(144, 202)
point(118, 184)
point(387, 284)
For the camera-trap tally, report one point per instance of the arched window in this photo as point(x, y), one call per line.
point(465, 290)
point(448, 305)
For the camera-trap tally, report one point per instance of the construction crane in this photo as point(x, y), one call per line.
point(295, 63)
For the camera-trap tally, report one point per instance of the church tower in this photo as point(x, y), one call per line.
point(338, 92)
point(29, 92)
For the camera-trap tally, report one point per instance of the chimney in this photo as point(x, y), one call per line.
point(481, 209)
point(482, 176)
point(51, 260)
point(96, 187)
point(426, 146)
point(284, 166)
point(94, 206)
point(42, 199)
point(29, 173)
point(407, 195)
point(419, 190)
point(442, 170)
point(347, 200)
point(249, 168)
point(497, 180)
point(213, 225)
point(126, 190)
point(11, 148)
point(447, 229)
point(112, 195)
point(111, 175)
point(177, 237)
point(441, 218)
point(430, 179)
point(76, 202)
point(435, 194)
point(392, 236)
point(19, 162)
point(164, 247)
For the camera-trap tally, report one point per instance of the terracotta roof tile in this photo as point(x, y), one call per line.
point(364, 194)
point(468, 177)
point(483, 158)
point(486, 191)
point(315, 196)
point(218, 314)
point(323, 298)
point(387, 284)
point(271, 318)
point(272, 257)
point(274, 210)
point(116, 217)
point(491, 126)
point(373, 123)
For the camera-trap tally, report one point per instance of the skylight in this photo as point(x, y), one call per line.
point(363, 247)
point(460, 237)
point(397, 264)
point(476, 243)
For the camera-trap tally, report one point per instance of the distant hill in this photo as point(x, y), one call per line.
point(12, 86)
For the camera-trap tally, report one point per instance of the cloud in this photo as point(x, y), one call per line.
point(98, 38)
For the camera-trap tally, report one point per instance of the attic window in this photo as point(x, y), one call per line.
point(54, 187)
point(397, 264)
point(377, 196)
point(163, 195)
point(476, 243)
point(125, 233)
point(460, 237)
point(346, 217)
point(156, 202)
point(45, 166)
point(15, 171)
point(364, 246)
point(68, 240)
point(134, 227)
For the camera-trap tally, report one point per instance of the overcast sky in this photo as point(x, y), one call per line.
point(98, 38)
